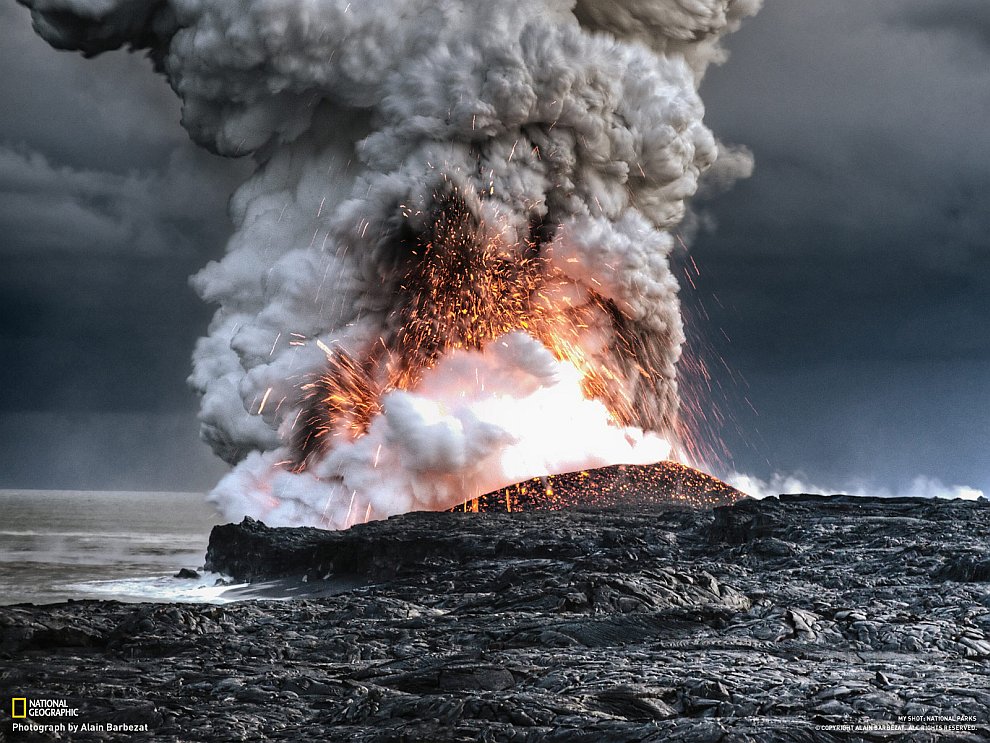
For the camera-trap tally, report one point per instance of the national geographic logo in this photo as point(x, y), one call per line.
point(22, 708)
point(55, 717)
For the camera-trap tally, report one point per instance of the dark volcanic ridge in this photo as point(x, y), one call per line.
point(665, 483)
point(248, 552)
point(767, 620)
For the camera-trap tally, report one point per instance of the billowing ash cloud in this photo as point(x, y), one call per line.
point(457, 234)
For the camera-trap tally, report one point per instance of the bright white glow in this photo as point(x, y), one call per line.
point(479, 420)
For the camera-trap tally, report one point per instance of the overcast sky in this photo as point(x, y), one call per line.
point(845, 284)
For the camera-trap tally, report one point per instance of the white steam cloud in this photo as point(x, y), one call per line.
point(572, 129)
point(920, 487)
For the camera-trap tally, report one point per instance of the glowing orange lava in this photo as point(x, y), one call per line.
point(461, 287)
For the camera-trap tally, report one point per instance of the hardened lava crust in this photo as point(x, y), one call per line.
point(665, 483)
point(798, 618)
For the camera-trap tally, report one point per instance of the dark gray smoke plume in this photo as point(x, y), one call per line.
point(570, 135)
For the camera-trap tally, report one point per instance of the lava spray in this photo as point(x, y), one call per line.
point(450, 270)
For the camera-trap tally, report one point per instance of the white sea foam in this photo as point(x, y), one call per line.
point(208, 588)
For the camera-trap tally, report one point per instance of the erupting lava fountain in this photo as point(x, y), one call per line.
point(450, 272)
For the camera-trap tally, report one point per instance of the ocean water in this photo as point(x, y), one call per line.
point(57, 545)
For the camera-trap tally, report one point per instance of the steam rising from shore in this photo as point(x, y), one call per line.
point(571, 134)
point(920, 487)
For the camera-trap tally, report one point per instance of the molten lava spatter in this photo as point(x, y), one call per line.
point(451, 269)
point(667, 483)
point(460, 285)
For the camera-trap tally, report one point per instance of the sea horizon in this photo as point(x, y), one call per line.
point(123, 545)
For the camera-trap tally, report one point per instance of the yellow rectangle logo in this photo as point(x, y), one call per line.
point(14, 706)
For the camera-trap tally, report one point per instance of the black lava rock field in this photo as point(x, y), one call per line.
point(799, 618)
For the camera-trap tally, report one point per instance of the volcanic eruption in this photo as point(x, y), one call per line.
point(450, 271)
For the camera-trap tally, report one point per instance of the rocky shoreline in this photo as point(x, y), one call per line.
point(793, 619)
